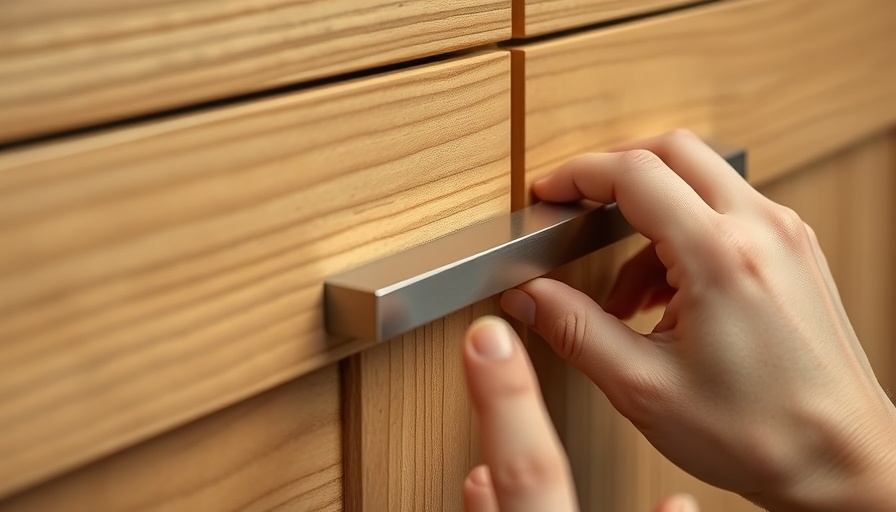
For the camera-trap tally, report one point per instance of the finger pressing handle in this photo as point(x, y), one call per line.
point(393, 295)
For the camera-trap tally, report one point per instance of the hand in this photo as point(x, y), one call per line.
point(753, 380)
point(526, 468)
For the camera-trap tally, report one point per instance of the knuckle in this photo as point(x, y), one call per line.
point(640, 159)
point(568, 335)
point(529, 472)
point(675, 141)
point(787, 226)
point(679, 136)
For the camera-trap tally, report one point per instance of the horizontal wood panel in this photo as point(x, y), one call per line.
point(154, 274)
point(69, 64)
point(536, 17)
point(788, 79)
point(277, 451)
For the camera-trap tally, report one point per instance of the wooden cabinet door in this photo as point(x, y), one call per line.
point(411, 436)
point(280, 450)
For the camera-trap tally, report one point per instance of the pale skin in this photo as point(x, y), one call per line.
point(753, 381)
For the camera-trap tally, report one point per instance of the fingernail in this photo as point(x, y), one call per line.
point(519, 305)
point(687, 503)
point(491, 338)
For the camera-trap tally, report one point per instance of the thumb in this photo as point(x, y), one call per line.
point(597, 343)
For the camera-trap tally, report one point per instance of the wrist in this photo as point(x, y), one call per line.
point(860, 474)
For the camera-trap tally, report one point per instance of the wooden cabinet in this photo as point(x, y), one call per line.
point(161, 325)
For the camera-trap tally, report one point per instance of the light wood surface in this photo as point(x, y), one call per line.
point(790, 80)
point(411, 436)
point(277, 451)
point(536, 17)
point(848, 198)
point(69, 64)
point(154, 274)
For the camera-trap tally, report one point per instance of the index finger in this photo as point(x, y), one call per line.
point(656, 201)
point(528, 467)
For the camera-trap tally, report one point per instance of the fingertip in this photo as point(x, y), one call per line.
point(479, 476)
point(490, 338)
point(542, 186)
point(679, 503)
point(479, 494)
point(687, 503)
point(559, 186)
point(519, 304)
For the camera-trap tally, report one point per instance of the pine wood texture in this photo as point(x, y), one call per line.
point(65, 64)
point(788, 79)
point(154, 274)
point(277, 451)
point(536, 17)
point(847, 197)
point(411, 437)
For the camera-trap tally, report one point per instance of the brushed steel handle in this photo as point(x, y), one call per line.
point(393, 295)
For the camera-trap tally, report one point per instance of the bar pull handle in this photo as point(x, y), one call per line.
point(393, 295)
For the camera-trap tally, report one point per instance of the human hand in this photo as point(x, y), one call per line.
point(754, 380)
point(525, 466)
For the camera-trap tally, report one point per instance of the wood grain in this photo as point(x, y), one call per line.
point(536, 17)
point(411, 437)
point(787, 79)
point(848, 199)
point(277, 451)
point(154, 274)
point(65, 65)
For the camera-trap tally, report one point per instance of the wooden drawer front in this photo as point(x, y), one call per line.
point(153, 274)
point(69, 64)
point(535, 17)
point(277, 451)
point(788, 79)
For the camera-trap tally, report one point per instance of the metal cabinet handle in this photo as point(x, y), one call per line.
point(393, 295)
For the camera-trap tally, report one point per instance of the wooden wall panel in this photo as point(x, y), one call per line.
point(65, 65)
point(277, 451)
